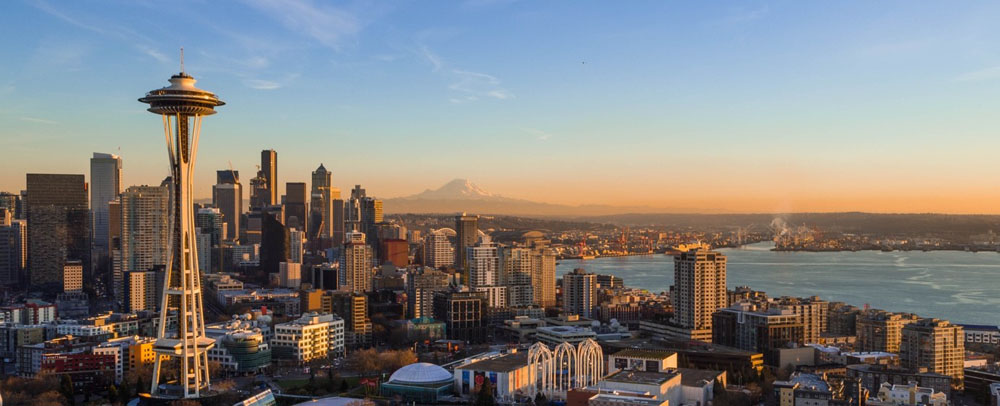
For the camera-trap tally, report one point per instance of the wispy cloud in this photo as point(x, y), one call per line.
point(467, 86)
point(37, 120)
point(478, 85)
point(330, 26)
point(140, 42)
point(261, 84)
point(980, 75)
point(539, 134)
point(430, 57)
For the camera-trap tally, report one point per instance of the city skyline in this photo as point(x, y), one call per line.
point(778, 106)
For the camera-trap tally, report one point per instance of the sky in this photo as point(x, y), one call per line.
point(686, 106)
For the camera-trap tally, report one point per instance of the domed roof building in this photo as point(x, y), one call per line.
point(421, 382)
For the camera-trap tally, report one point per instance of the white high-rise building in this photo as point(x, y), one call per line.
point(699, 288)
point(296, 243)
point(438, 251)
point(105, 186)
point(144, 236)
point(518, 269)
point(484, 273)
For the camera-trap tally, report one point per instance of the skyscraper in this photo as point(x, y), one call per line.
point(484, 273)
point(467, 233)
point(518, 264)
point(543, 278)
point(13, 248)
point(321, 225)
point(105, 186)
point(269, 169)
point(182, 107)
point(227, 195)
point(144, 233)
point(339, 220)
point(438, 251)
point(296, 206)
point(59, 227)
point(356, 264)
point(699, 290)
point(579, 292)
point(260, 196)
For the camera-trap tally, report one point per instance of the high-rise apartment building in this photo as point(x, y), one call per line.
point(105, 186)
point(59, 227)
point(543, 277)
point(466, 235)
point(290, 275)
point(269, 168)
point(212, 230)
point(484, 273)
point(141, 291)
point(296, 245)
point(518, 275)
point(935, 345)
point(438, 251)
point(699, 289)
point(13, 248)
point(321, 207)
point(353, 308)
point(296, 206)
point(145, 231)
point(356, 264)
point(579, 292)
point(879, 330)
point(73, 276)
point(813, 311)
point(227, 196)
point(420, 288)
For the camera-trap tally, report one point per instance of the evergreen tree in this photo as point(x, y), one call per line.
point(485, 395)
point(66, 387)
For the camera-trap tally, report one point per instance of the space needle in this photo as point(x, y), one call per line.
point(182, 106)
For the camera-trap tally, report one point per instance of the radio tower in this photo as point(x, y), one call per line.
point(182, 107)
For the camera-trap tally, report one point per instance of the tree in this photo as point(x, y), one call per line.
point(113, 393)
point(484, 397)
point(343, 385)
point(66, 386)
point(541, 400)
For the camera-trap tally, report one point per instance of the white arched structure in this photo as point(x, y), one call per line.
point(541, 371)
point(590, 363)
point(553, 372)
point(565, 360)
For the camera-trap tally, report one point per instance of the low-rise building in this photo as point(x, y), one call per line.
point(507, 372)
point(555, 335)
point(642, 360)
point(803, 390)
point(908, 395)
point(665, 386)
point(312, 336)
point(241, 345)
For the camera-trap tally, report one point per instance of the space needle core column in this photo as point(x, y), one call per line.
point(182, 107)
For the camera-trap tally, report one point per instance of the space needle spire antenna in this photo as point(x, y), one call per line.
point(182, 106)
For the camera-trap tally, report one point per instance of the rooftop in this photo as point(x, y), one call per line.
point(644, 354)
point(697, 377)
point(506, 363)
point(640, 377)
